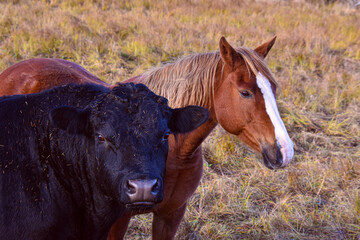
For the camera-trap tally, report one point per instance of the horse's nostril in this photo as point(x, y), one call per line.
point(279, 157)
point(272, 156)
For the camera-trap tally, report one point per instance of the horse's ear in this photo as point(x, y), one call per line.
point(264, 48)
point(227, 52)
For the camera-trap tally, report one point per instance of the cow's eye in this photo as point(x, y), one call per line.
point(100, 137)
point(245, 94)
point(166, 135)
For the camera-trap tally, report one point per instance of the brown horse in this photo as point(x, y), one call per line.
point(35, 75)
point(235, 85)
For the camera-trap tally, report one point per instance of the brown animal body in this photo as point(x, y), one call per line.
point(225, 82)
point(37, 74)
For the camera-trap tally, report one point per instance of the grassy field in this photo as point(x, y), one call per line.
point(316, 59)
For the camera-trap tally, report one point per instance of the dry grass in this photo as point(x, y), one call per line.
point(316, 59)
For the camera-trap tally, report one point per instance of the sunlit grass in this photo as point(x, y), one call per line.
point(315, 59)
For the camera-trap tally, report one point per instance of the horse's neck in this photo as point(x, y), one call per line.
point(137, 79)
point(191, 141)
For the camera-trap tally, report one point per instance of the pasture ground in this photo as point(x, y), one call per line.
point(316, 58)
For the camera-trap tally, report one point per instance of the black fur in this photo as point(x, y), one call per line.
point(58, 178)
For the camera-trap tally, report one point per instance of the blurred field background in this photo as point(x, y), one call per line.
point(316, 58)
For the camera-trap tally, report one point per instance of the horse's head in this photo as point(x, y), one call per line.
point(244, 103)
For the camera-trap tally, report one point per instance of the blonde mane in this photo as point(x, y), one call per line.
point(191, 80)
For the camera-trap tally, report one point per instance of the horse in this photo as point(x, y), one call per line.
point(234, 84)
point(37, 74)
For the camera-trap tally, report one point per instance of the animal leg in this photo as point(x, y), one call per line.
point(118, 229)
point(165, 224)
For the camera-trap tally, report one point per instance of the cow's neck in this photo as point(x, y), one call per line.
point(100, 211)
point(88, 205)
point(99, 217)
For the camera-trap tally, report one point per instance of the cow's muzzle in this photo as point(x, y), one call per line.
point(144, 192)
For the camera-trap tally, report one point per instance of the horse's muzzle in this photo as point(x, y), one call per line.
point(272, 156)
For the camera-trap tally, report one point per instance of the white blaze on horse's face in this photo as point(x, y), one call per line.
point(283, 140)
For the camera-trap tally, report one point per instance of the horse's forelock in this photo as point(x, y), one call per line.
point(256, 64)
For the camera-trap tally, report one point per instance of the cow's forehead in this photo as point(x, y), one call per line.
point(131, 108)
point(131, 91)
point(134, 106)
point(135, 113)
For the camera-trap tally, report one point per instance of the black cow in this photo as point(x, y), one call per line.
point(73, 157)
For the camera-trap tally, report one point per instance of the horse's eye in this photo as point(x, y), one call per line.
point(100, 137)
point(166, 135)
point(245, 94)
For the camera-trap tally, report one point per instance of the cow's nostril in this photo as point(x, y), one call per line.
point(144, 190)
point(131, 187)
point(156, 187)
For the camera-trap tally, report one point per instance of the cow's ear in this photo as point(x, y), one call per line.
point(70, 119)
point(187, 119)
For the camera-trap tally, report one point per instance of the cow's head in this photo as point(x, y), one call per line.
point(128, 132)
